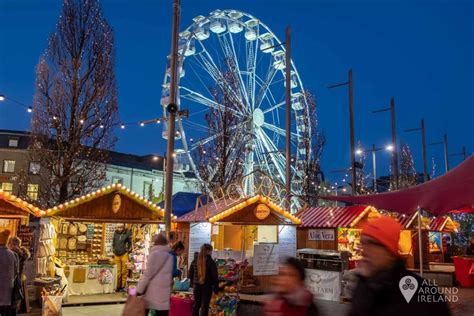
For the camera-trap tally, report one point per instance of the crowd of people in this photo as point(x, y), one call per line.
point(12, 280)
point(377, 291)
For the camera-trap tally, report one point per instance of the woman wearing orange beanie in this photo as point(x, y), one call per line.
point(382, 273)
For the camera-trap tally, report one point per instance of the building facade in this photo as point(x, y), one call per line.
point(142, 174)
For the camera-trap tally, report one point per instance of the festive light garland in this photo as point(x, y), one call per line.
point(103, 191)
point(19, 203)
point(252, 200)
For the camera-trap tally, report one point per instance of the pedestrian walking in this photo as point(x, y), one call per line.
point(8, 272)
point(385, 287)
point(290, 296)
point(23, 254)
point(176, 251)
point(155, 287)
point(207, 281)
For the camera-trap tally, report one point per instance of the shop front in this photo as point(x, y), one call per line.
point(98, 243)
point(250, 237)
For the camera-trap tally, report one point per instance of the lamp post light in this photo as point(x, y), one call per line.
point(373, 150)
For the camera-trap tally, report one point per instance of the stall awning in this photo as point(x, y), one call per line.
point(443, 224)
point(451, 191)
point(239, 211)
point(113, 202)
point(345, 217)
point(12, 205)
point(411, 221)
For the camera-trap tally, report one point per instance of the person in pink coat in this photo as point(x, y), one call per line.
point(156, 284)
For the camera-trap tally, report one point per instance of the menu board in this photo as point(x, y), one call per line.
point(199, 234)
point(286, 241)
point(265, 259)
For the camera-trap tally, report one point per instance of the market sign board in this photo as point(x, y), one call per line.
point(199, 234)
point(321, 234)
point(262, 211)
point(325, 285)
point(265, 259)
point(286, 241)
point(116, 203)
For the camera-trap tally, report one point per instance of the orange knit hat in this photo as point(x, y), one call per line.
point(386, 231)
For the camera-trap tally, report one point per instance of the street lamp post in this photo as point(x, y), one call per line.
point(374, 149)
point(423, 147)
point(349, 84)
point(396, 173)
point(172, 110)
point(462, 153)
point(445, 145)
point(288, 115)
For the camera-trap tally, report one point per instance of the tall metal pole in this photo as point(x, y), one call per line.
point(423, 144)
point(464, 155)
point(446, 154)
point(394, 144)
point(420, 240)
point(351, 125)
point(288, 115)
point(374, 167)
point(172, 109)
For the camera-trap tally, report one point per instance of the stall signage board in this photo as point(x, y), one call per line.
point(325, 285)
point(262, 211)
point(321, 234)
point(265, 259)
point(199, 233)
point(116, 203)
point(286, 241)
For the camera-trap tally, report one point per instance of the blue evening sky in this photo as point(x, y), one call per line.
point(420, 52)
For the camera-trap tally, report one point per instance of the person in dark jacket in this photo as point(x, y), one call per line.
point(8, 272)
point(23, 254)
point(176, 251)
point(208, 281)
point(193, 272)
point(291, 297)
point(385, 287)
point(121, 245)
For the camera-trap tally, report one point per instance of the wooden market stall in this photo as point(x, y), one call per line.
point(76, 239)
point(254, 232)
point(440, 230)
point(15, 214)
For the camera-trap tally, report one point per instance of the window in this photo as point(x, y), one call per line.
point(13, 142)
point(32, 191)
point(34, 168)
point(9, 166)
point(116, 180)
point(148, 190)
point(7, 187)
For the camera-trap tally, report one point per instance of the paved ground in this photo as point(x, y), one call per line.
point(463, 307)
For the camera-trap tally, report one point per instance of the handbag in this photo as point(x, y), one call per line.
point(135, 305)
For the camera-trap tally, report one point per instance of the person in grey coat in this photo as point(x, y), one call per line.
point(9, 264)
point(155, 287)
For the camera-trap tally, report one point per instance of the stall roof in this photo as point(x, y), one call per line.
point(347, 216)
point(408, 221)
point(220, 210)
point(80, 203)
point(13, 205)
point(451, 191)
point(443, 223)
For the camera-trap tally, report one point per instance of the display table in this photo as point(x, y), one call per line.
point(463, 267)
point(181, 306)
point(96, 279)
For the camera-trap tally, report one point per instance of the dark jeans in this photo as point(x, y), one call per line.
point(7, 311)
point(202, 298)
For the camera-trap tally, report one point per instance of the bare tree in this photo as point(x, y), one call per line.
point(75, 103)
point(220, 161)
point(314, 141)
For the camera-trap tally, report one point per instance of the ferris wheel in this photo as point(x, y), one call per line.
point(235, 53)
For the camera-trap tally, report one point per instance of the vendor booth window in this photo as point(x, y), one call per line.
point(34, 168)
point(267, 234)
point(32, 192)
point(7, 187)
point(8, 166)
